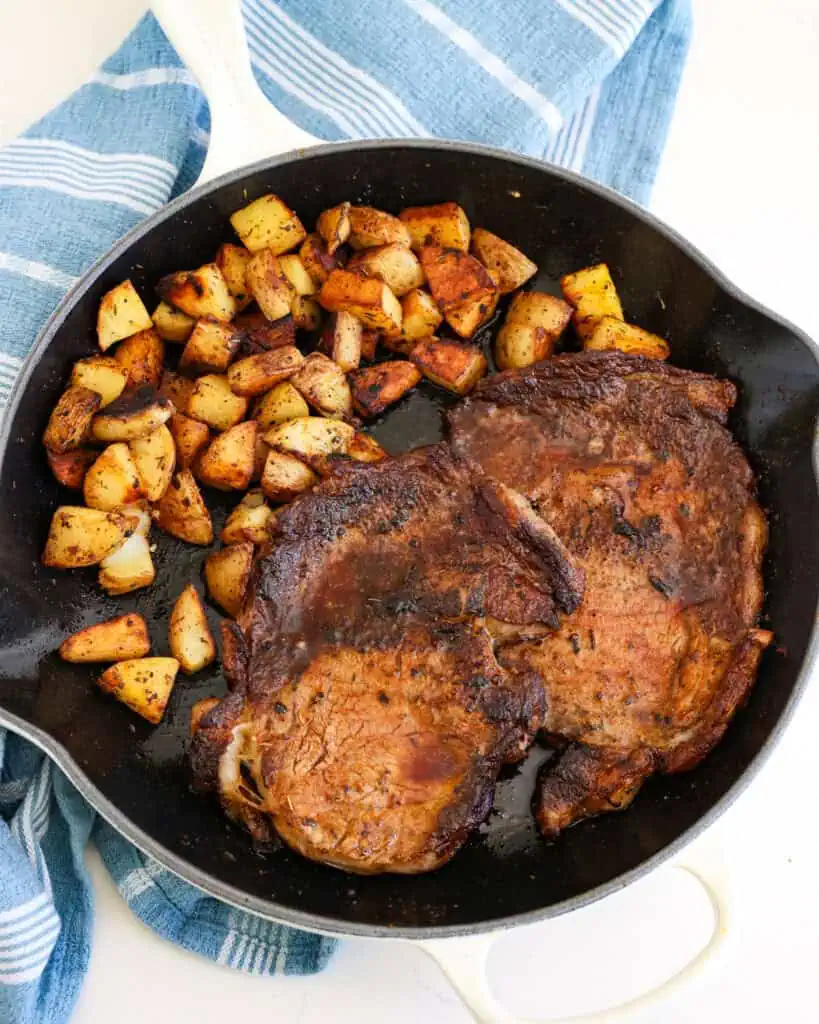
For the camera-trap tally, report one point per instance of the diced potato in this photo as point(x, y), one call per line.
point(142, 356)
point(306, 313)
point(377, 387)
point(114, 640)
point(232, 260)
point(260, 333)
point(112, 480)
point(592, 293)
point(189, 436)
point(367, 298)
point(518, 345)
point(176, 388)
point(81, 536)
point(199, 710)
point(210, 348)
point(280, 404)
point(142, 684)
point(227, 573)
point(182, 512)
point(251, 520)
point(538, 309)
point(285, 476)
point(212, 401)
point(365, 448)
point(257, 374)
point(171, 324)
point(509, 266)
point(134, 414)
point(121, 314)
point(294, 270)
point(444, 224)
point(128, 568)
point(268, 223)
point(451, 364)
point(268, 285)
point(199, 293)
point(369, 343)
point(189, 636)
point(154, 460)
point(422, 318)
point(394, 264)
point(69, 468)
point(227, 463)
point(312, 439)
point(139, 516)
point(324, 385)
point(611, 333)
point(262, 448)
point(370, 227)
point(70, 422)
point(318, 262)
point(334, 226)
point(341, 340)
point(102, 374)
point(462, 288)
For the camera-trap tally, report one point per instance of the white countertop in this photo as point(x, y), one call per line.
point(740, 180)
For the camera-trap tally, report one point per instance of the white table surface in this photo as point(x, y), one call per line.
point(740, 180)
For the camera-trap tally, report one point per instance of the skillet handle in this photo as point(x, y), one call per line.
point(464, 961)
point(209, 36)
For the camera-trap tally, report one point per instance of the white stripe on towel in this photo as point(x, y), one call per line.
point(36, 271)
point(141, 79)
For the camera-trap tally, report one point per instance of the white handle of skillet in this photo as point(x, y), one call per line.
point(464, 961)
point(209, 36)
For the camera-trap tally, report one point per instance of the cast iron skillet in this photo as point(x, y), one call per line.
point(136, 775)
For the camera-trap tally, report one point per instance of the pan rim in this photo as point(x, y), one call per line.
point(270, 909)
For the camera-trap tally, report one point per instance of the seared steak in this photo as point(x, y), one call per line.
point(628, 461)
point(369, 716)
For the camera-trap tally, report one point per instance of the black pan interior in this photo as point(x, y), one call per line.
point(506, 871)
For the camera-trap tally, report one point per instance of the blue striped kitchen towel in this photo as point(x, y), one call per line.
point(588, 84)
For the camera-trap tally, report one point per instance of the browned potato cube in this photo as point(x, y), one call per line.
point(510, 267)
point(444, 224)
point(370, 227)
point(189, 636)
point(227, 463)
point(280, 404)
point(518, 345)
point(293, 268)
point(80, 536)
point(170, 324)
point(323, 383)
point(134, 414)
point(394, 264)
point(268, 223)
point(341, 340)
point(154, 460)
point(451, 364)
point(213, 401)
point(379, 386)
point(259, 333)
point(312, 439)
point(210, 348)
point(102, 374)
point(461, 286)
point(422, 318)
point(257, 374)
point(70, 422)
point(260, 458)
point(592, 293)
point(182, 512)
point(251, 520)
point(128, 568)
point(367, 298)
point(538, 309)
point(369, 343)
point(199, 293)
point(227, 573)
point(177, 389)
point(306, 313)
point(611, 333)
point(364, 448)
point(189, 437)
point(69, 468)
point(232, 260)
point(268, 285)
point(142, 356)
point(143, 684)
point(112, 481)
point(121, 314)
point(334, 226)
point(284, 476)
point(316, 259)
point(114, 640)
